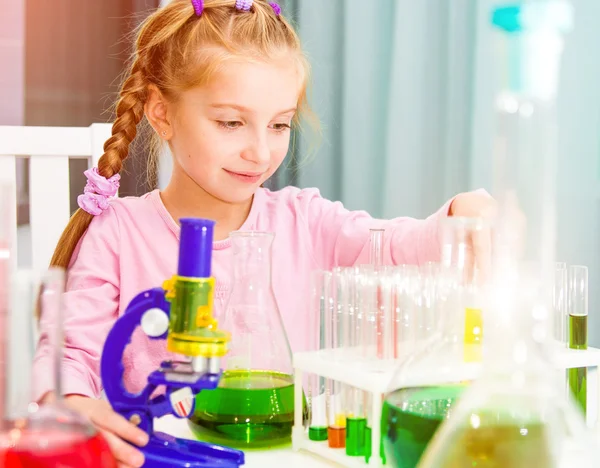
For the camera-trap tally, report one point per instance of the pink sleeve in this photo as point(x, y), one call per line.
point(341, 237)
point(90, 309)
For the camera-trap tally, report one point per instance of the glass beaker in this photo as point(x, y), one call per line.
point(429, 381)
point(254, 402)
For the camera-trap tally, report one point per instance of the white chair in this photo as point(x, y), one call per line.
point(49, 150)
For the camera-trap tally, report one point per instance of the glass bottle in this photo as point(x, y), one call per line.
point(254, 403)
point(516, 414)
point(52, 434)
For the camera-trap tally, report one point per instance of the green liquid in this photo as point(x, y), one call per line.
point(497, 444)
point(578, 377)
point(578, 332)
point(413, 416)
point(317, 433)
point(248, 409)
point(355, 436)
point(368, 435)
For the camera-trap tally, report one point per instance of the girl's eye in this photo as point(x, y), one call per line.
point(280, 127)
point(230, 124)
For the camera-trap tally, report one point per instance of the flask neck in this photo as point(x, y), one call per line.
point(252, 254)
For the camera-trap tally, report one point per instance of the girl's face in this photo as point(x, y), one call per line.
point(231, 135)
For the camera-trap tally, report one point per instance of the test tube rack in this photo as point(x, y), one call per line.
point(374, 377)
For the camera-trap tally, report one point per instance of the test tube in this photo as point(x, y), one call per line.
point(376, 261)
point(578, 314)
point(356, 422)
point(427, 314)
point(360, 288)
point(376, 247)
point(317, 400)
point(368, 431)
point(462, 276)
point(387, 308)
point(559, 301)
point(377, 316)
point(336, 430)
point(356, 278)
point(404, 314)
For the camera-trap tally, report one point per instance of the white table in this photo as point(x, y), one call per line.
point(273, 458)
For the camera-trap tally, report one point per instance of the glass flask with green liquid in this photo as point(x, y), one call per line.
point(428, 384)
point(516, 413)
point(253, 405)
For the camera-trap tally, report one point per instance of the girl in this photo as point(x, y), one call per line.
point(221, 82)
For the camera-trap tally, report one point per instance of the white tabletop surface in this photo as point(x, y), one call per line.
point(273, 458)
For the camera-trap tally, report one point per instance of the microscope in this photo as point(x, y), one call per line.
point(182, 313)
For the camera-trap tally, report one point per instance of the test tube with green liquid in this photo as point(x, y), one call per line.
point(356, 422)
point(361, 298)
point(376, 340)
point(578, 318)
point(320, 311)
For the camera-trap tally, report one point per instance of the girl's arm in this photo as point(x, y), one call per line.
point(90, 309)
point(341, 237)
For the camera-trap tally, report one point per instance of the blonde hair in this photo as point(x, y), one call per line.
point(176, 50)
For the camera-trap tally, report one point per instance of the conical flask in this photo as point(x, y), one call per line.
point(429, 381)
point(36, 436)
point(254, 403)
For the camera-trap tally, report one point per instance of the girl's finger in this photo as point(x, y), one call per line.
point(126, 454)
point(117, 424)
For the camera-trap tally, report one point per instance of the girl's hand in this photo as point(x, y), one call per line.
point(477, 205)
point(115, 429)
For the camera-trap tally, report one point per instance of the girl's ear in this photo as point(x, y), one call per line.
point(156, 113)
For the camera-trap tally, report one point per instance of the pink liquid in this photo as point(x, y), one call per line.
point(55, 448)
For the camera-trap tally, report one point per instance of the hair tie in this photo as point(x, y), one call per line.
point(276, 8)
point(198, 7)
point(97, 192)
point(243, 5)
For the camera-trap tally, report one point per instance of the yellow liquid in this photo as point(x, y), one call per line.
point(497, 446)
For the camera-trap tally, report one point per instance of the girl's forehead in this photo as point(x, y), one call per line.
point(253, 85)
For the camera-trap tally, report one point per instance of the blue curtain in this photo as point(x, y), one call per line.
point(392, 85)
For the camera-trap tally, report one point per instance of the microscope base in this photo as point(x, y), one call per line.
point(165, 451)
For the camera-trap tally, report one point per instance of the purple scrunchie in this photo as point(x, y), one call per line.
point(243, 5)
point(276, 8)
point(97, 192)
point(198, 7)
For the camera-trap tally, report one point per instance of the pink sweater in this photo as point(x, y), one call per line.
point(133, 246)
